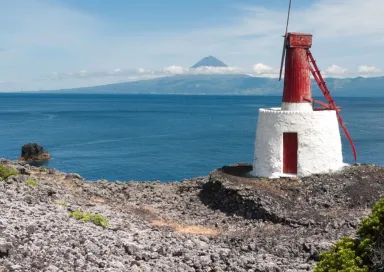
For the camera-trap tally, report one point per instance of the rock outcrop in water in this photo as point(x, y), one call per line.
point(33, 152)
point(223, 222)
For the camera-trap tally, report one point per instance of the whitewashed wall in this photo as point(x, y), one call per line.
point(319, 142)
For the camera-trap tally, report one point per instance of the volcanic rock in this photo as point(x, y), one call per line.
point(33, 152)
point(223, 222)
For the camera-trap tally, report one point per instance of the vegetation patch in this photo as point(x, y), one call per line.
point(44, 169)
point(60, 203)
point(6, 172)
point(363, 254)
point(97, 219)
point(31, 182)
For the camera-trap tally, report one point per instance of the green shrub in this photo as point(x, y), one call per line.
point(342, 257)
point(6, 172)
point(371, 232)
point(373, 226)
point(365, 253)
point(80, 215)
point(31, 182)
point(97, 219)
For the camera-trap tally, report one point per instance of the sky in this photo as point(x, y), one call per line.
point(56, 44)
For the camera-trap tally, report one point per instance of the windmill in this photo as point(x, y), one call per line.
point(299, 139)
point(314, 70)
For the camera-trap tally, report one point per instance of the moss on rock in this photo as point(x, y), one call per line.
point(97, 219)
point(6, 172)
point(31, 182)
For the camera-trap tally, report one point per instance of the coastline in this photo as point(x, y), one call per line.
point(174, 226)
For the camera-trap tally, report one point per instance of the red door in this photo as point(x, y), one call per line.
point(290, 145)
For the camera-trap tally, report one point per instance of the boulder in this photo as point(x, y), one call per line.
point(34, 152)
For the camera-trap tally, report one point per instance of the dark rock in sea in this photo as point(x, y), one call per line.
point(32, 152)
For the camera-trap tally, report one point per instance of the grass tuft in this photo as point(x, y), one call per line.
point(97, 219)
point(31, 182)
point(6, 172)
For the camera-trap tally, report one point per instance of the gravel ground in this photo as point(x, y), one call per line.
point(217, 223)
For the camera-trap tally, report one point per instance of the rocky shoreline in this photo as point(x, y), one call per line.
point(222, 222)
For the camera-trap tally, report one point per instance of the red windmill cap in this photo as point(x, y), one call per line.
point(299, 40)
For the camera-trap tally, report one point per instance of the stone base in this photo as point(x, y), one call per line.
point(317, 199)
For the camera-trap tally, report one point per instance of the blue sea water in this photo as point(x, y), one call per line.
point(153, 137)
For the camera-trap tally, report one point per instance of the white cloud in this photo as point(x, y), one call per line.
point(209, 70)
point(368, 69)
point(336, 70)
point(203, 70)
point(144, 71)
point(262, 69)
point(175, 70)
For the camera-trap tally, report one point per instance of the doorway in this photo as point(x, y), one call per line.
point(290, 146)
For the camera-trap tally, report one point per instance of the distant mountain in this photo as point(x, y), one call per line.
point(234, 85)
point(209, 61)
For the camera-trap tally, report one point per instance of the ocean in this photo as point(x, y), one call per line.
point(159, 137)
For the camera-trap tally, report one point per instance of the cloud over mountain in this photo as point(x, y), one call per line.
point(262, 69)
point(336, 70)
point(365, 69)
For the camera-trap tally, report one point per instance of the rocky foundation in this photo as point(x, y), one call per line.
point(223, 222)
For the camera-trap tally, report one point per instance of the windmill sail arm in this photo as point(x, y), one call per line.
point(285, 40)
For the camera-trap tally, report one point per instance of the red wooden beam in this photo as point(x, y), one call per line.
point(323, 87)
